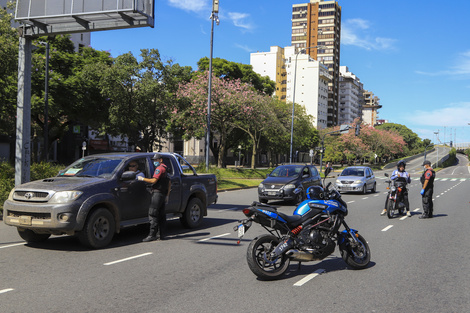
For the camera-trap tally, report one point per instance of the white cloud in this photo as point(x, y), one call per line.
point(455, 114)
point(240, 20)
point(190, 5)
point(460, 68)
point(354, 32)
point(244, 47)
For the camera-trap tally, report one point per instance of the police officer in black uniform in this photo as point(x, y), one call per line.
point(160, 190)
point(427, 181)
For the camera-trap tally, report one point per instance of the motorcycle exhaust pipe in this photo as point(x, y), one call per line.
point(297, 255)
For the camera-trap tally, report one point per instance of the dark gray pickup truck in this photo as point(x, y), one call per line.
point(97, 196)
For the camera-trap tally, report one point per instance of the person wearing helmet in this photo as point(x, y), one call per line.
point(160, 190)
point(400, 172)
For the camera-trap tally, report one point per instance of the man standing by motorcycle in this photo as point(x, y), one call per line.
point(427, 180)
point(400, 172)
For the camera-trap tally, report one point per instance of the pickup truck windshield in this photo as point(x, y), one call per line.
point(92, 168)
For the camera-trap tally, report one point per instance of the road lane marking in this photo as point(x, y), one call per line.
point(365, 198)
point(403, 217)
point(14, 245)
point(351, 201)
point(127, 259)
point(6, 290)
point(226, 234)
point(416, 210)
point(387, 228)
point(309, 277)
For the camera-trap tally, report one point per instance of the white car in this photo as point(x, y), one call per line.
point(356, 179)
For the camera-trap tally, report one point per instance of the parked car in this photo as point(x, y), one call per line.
point(356, 179)
point(284, 179)
point(96, 196)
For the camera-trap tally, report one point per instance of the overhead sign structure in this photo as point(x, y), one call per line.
point(52, 17)
point(55, 17)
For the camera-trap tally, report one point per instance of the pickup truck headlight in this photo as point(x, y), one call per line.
point(10, 196)
point(65, 196)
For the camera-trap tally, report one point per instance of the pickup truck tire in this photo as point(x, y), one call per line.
point(30, 236)
point(98, 230)
point(192, 216)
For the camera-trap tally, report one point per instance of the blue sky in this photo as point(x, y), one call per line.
point(414, 55)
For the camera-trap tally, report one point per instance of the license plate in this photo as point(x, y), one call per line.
point(271, 193)
point(25, 220)
point(241, 230)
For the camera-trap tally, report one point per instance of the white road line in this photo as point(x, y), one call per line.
point(387, 228)
point(351, 201)
point(127, 259)
point(416, 210)
point(365, 198)
point(6, 290)
point(14, 245)
point(309, 277)
point(226, 234)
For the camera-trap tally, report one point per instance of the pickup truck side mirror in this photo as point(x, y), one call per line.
point(128, 175)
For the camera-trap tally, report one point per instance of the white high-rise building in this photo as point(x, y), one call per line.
point(351, 98)
point(310, 85)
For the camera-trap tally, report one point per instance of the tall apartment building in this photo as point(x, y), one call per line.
point(311, 79)
point(369, 110)
point(351, 96)
point(271, 64)
point(314, 24)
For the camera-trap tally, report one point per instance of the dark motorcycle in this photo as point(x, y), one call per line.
point(310, 234)
point(394, 204)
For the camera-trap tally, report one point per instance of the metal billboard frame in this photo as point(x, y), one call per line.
point(53, 17)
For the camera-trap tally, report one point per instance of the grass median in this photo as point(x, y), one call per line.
point(235, 178)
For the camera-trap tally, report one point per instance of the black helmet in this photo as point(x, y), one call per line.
point(400, 163)
point(315, 193)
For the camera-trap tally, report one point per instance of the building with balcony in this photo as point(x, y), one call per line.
point(351, 97)
point(271, 64)
point(318, 24)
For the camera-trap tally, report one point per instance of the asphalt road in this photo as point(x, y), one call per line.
point(416, 266)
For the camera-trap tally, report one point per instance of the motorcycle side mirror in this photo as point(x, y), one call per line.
point(327, 171)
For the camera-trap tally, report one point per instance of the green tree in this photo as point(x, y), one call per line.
point(74, 94)
point(232, 70)
point(141, 97)
point(8, 73)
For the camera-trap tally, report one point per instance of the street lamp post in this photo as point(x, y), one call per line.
point(46, 104)
point(293, 99)
point(437, 148)
point(214, 16)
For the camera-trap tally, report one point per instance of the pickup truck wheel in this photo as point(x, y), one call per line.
point(192, 216)
point(30, 236)
point(98, 230)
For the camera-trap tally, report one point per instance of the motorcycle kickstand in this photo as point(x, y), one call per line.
point(298, 267)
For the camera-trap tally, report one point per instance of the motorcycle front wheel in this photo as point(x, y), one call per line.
point(390, 208)
point(258, 261)
point(356, 254)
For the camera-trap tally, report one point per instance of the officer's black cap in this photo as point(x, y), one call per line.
point(156, 156)
point(427, 162)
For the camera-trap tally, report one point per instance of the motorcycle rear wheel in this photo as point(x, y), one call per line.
point(356, 255)
point(259, 248)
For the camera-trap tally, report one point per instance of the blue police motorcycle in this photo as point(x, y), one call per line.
point(310, 234)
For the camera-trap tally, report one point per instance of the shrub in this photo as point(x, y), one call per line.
point(7, 177)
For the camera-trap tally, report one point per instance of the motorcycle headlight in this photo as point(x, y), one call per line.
point(289, 186)
point(65, 196)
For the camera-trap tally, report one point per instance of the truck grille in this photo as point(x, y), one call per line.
point(32, 196)
point(34, 215)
